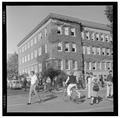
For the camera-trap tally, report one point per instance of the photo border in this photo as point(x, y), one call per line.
point(4, 58)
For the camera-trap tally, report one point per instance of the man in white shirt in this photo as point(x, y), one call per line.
point(33, 79)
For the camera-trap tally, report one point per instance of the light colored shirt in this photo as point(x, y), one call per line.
point(33, 79)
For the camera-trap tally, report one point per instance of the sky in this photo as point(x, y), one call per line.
point(22, 19)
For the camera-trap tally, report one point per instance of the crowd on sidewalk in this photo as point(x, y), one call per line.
point(73, 83)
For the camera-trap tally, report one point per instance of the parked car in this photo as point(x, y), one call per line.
point(15, 84)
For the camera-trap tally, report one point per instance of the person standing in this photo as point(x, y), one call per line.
point(109, 85)
point(33, 80)
point(94, 90)
point(89, 79)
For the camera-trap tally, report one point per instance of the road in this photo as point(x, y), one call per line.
point(55, 102)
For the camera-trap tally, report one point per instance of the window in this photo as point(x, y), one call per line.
point(103, 51)
point(108, 66)
point(25, 46)
point(35, 53)
point(105, 65)
point(83, 35)
point(74, 65)
point(31, 55)
point(93, 50)
point(39, 51)
point(74, 48)
point(87, 35)
point(67, 64)
point(66, 31)
point(110, 39)
point(90, 65)
point(111, 52)
point(107, 38)
point(22, 59)
point(94, 65)
point(59, 30)
point(102, 37)
point(88, 50)
point(108, 52)
point(28, 45)
point(72, 31)
point(25, 59)
point(67, 47)
point(59, 46)
point(35, 40)
point(45, 32)
point(97, 37)
point(93, 36)
point(40, 67)
point(98, 51)
point(84, 48)
point(45, 48)
point(100, 66)
point(39, 36)
point(85, 65)
point(28, 57)
point(31, 42)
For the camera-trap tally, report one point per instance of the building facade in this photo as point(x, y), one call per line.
point(67, 43)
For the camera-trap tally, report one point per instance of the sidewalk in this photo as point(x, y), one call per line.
point(54, 102)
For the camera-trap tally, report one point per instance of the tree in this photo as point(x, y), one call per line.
point(12, 66)
point(109, 13)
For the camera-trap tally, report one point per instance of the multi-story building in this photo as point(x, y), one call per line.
point(67, 43)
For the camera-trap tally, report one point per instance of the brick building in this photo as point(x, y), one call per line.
point(67, 43)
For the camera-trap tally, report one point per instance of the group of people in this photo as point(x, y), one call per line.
point(71, 84)
point(93, 86)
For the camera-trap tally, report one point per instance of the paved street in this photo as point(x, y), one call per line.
point(55, 102)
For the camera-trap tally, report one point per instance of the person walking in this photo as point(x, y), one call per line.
point(70, 82)
point(109, 85)
point(25, 83)
point(89, 79)
point(94, 90)
point(33, 80)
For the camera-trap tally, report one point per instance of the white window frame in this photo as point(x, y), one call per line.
point(22, 59)
point(35, 53)
point(39, 51)
point(75, 47)
point(31, 42)
point(107, 38)
point(84, 49)
point(98, 51)
point(66, 30)
point(67, 45)
point(28, 44)
point(98, 36)
point(59, 45)
point(88, 35)
point(35, 40)
point(83, 35)
point(59, 28)
point(94, 50)
point(88, 50)
point(28, 56)
point(93, 36)
point(32, 55)
point(90, 65)
point(73, 31)
point(103, 36)
point(62, 65)
point(39, 36)
point(103, 50)
point(68, 64)
point(46, 48)
point(45, 32)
